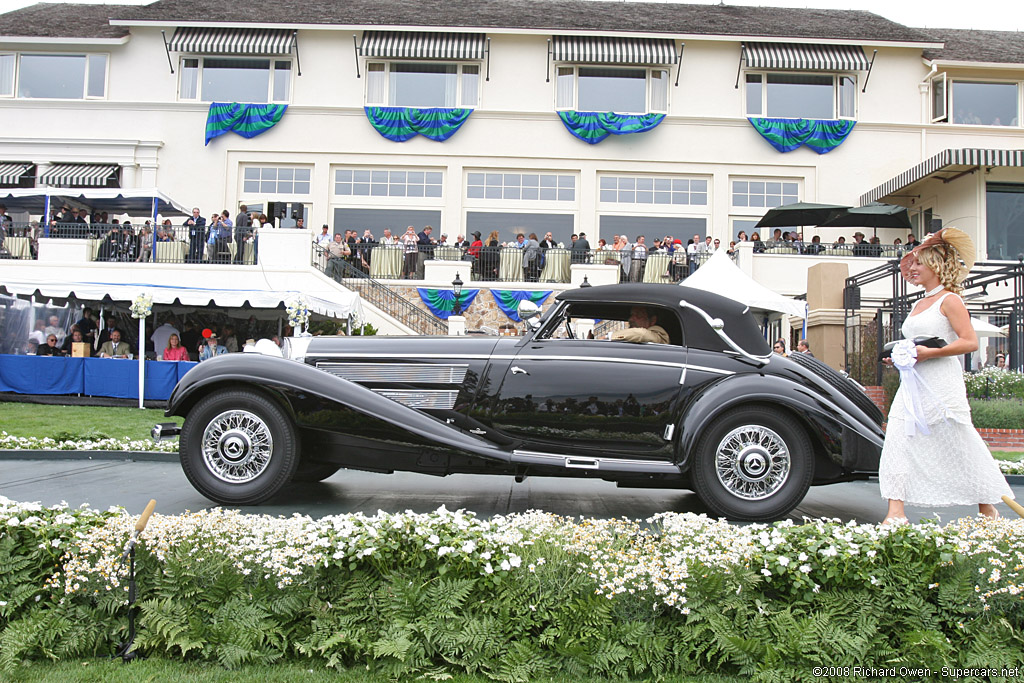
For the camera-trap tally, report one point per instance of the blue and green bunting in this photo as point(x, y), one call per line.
point(248, 120)
point(821, 135)
point(402, 123)
point(441, 302)
point(508, 300)
point(592, 126)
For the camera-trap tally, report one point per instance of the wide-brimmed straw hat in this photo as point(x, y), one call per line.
point(952, 237)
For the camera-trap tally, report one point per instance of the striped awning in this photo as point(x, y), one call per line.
point(954, 160)
point(607, 50)
point(11, 173)
point(232, 41)
point(78, 175)
point(423, 45)
point(800, 57)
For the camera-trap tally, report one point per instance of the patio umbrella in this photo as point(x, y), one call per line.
point(985, 329)
point(801, 213)
point(874, 215)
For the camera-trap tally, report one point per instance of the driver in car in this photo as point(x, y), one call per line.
point(643, 327)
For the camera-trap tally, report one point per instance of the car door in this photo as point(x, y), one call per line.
point(591, 397)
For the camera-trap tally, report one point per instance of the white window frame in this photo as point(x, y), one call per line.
point(738, 211)
point(372, 200)
point(16, 75)
point(836, 92)
point(950, 103)
point(460, 73)
point(649, 95)
point(936, 84)
point(491, 202)
point(611, 207)
point(296, 196)
point(199, 76)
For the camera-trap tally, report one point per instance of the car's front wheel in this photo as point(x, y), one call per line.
point(238, 447)
point(753, 463)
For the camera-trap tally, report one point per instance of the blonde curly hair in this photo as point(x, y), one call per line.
point(943, 260)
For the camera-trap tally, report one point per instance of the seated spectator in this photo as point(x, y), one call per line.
point(55, 329)
point(174, 350)
point(50, 348)
point(759, 247)
point(815, 247)
point(38, 335)
point(166, 232)
point(115, 348)
point(839, 243)
point(228, 339)
point(861, 247)
point(211, 349)
point(74, 337)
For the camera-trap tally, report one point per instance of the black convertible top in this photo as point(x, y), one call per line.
point(740, 324)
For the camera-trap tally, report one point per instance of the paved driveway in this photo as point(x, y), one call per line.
point(103, 483)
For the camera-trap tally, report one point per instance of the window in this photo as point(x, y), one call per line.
point(422, 84)
point(764, 193)
point(624, 90)
point(382, 182)
point(1005, 208)
point(985, 104)
point(274, 180)
point(806, 96)
point(522, 186)
point(66, 77)
point(560, 225)
point(235, 79)
point(653, 190)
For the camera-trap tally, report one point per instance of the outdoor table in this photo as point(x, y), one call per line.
point(658, 268)
point(556, 266)
point(248, 251)
point(18, 247)
point(386, 262)
point(110, 377)
point(606, 255)
point(170, 252)
point(510, 265)
point(447, 254)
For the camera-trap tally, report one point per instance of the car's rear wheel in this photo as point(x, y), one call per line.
point(238, 447)
point(753, 463)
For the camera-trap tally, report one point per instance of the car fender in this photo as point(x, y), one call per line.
point(734, 391)
point(289, 375)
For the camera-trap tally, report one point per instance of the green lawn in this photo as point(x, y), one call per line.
point(143, 671)
point(1012, 456)
point(38, 420)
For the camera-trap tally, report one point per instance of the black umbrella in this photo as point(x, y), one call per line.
point(801, 213)
point(874, 215)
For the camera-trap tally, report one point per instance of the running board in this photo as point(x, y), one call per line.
point(589, 463)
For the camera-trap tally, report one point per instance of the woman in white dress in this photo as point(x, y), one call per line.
point(933, 456)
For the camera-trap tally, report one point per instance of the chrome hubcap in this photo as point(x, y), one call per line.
point(752, 462)
point(237, 446)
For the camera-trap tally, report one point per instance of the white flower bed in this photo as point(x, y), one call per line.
point(17, 443)
point(1008, 467)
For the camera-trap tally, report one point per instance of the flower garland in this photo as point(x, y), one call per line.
point(298, 312)
point(142, 306)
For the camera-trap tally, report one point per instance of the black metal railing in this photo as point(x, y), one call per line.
point(345, 271)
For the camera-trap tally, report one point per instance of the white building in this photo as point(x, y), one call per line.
point(120, 96)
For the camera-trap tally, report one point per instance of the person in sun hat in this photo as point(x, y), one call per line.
point(932, 455)
point(211, 348)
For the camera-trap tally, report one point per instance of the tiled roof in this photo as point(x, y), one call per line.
point(548, 15)
point(963, 45)
point(62, 21)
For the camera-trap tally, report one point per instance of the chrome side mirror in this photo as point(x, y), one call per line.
point(527, 310)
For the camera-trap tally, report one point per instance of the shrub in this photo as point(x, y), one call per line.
point(992, 383)
point(516, 598)
point(997, 413)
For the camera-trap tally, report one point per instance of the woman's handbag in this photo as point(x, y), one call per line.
point(930, 342)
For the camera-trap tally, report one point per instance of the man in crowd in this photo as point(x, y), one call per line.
point(548, 242)
point(162, 334)
point(337, 251)
point(50, 348)
point(639, 259)
point(803, 347)
point(324, 238)
point(55, 329)
point(196, 225)
point(104, 334)
point(580, 249)
point(211, 349)
point(115, 348)
point(643, 327)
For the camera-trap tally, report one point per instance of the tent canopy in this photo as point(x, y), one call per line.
point(134, 202)
point(721, 276)
point(343, 304)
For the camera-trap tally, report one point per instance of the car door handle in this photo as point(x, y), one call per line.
point(516, 370)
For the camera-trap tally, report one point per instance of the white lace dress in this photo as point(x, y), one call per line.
point(951, 465)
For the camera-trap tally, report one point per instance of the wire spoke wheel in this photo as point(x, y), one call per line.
point(237, 446)
point(752, 462)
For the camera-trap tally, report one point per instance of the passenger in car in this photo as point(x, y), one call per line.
point(643, 327)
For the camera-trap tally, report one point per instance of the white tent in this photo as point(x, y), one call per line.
point(341, 305)
point(720, 275)
point(985, 329)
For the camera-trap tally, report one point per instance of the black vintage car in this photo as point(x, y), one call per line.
point(712, 410)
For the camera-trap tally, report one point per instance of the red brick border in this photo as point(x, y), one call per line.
point(999, 439)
